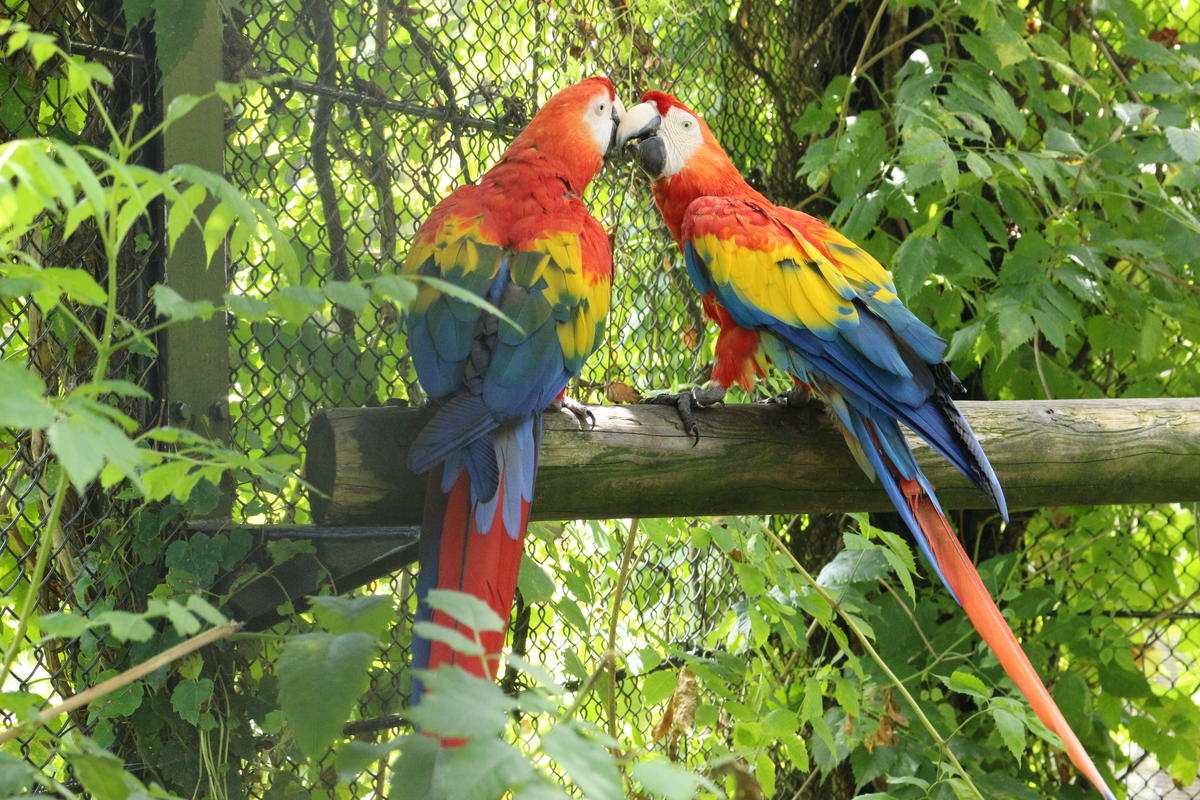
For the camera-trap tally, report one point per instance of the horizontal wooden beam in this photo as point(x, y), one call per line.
point(759, 459)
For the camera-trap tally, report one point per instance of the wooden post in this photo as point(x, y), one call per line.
point(760, 459)
point(196, 352)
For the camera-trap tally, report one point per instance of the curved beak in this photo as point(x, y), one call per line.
point(618, 112)
point(639, 128)
point(638, 123)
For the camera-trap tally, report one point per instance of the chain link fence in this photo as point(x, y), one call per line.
point(371, 113)
point(84, 575)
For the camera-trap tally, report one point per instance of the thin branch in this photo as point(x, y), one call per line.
point(858, 70)
point(1111, 58)
point(442, 75)
point(441, 114)
point(1037, 362)
point(321, 27)
point(45, 545)
point(380, 173)
point(375, 724)
point(125, 678)
point(903, 40)
point(614, 617)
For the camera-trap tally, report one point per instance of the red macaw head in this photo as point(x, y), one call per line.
point(578, 123)
point(670, 138)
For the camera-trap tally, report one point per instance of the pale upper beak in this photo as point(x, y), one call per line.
point(639, 127)
point(638, 123)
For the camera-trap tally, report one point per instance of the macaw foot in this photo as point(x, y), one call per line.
point(796, 397)
point(587, 420)
point(684, 402)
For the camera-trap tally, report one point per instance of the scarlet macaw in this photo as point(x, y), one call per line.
point(787, 289)
point(523, 240)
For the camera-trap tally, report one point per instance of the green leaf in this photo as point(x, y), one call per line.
point(62, 625)
point(137, 10)
point(79, 449)
point(854, 566)
point(461, 705)
point(467, 296)
point(978, 166)
point(189, 696)
point(541, 791)
point(16, 775)
point(916, 260)
point(181, 104)
point(348, 295)
point(1185, 142)
point(183, 213)
point(1016, 327)
point(967, 683)
point(661, 777)
point(1061, 141)
point(296, 303)
point(395, 288)
point(321, 677)
point(589, 764)
point(177, 24)
point(22, 404)
point(248, 308)
point(1156, 83)
point(466, 609)
point(413, 772)
point(483, 769)
point(101, 774)
point(126, 626)
point(540, 674)
point(371, 614)
point(1148, 51)
point(353, 757)
point(171, 305)
point(1012, 730)
point(182, 620)
point(1134, 113)
point(1008, 45)
point(535, 582)
point(454, 639)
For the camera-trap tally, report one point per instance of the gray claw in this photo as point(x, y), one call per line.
point(795, 397)
point(587, 420)
point(685, 402)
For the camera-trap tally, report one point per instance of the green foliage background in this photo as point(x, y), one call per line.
point(1029, 170)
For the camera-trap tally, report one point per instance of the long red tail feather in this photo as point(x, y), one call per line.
point(966, 584)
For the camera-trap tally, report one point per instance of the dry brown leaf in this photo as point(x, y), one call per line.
point(621, 392)
point(746, 786)
point(680, 712)
point(893, 718)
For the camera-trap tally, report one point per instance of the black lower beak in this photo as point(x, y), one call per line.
point(611, 152)
point(652, 155)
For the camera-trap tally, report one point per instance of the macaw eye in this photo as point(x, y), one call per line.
point(687, 124)
point(602, 107)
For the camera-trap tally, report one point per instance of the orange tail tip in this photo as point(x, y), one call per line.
point(966, 584)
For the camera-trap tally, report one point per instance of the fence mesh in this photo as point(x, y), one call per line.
point(371, 113)
point(34, 102)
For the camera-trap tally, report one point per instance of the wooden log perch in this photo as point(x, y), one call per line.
point(760, 459)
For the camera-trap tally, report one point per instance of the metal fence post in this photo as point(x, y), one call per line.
point(196, 353)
